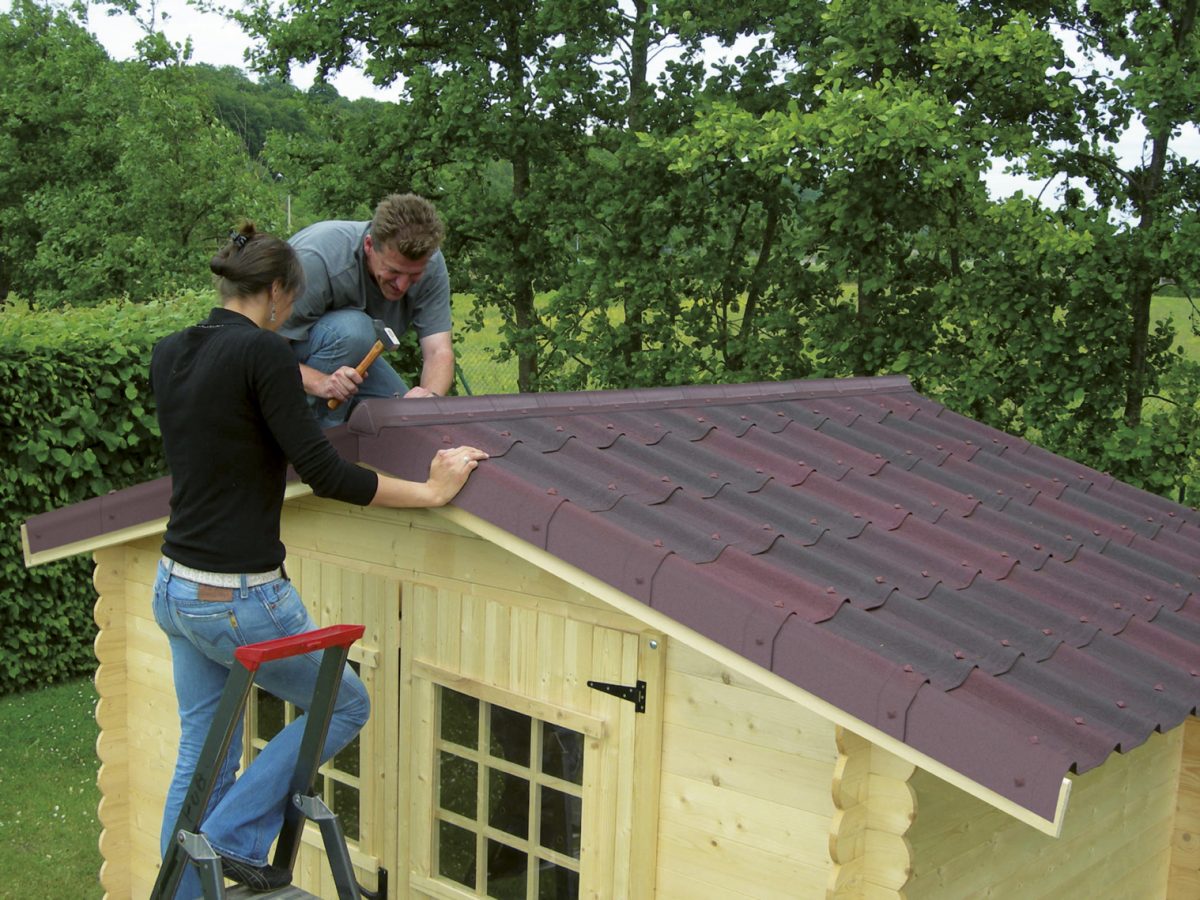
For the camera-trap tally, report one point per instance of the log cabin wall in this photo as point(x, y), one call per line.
point(1115, 843)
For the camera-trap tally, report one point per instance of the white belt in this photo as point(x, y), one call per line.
point(222, 579)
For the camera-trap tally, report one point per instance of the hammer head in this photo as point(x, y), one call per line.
point(385, 335)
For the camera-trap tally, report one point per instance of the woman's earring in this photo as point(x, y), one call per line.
point(272, 319)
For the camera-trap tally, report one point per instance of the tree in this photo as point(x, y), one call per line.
point(1143, 61)
point(58, 112)
point(118, 180)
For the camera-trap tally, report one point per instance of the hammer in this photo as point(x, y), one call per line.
point(385, 339)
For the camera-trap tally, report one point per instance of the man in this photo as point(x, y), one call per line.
point(390, 268)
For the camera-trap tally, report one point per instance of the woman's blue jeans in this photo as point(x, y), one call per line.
point(245, 814)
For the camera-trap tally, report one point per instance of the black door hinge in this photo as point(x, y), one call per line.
point(634, 693)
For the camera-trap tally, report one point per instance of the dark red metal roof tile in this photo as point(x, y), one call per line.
point(1031, 615)
point(844, 673)
point(912, 636)
point(830, 563)
point(607, 550)
point(858, 436)
point(1001, 753)
point(985, 436)
point(496, 489)
point(855, 494)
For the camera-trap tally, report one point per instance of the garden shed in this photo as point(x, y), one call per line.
point(807, 639)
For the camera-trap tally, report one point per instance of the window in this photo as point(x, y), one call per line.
point(508, 801)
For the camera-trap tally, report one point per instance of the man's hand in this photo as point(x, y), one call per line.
point(419, 391)
point(339, 385)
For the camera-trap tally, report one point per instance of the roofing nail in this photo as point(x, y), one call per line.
point(506, 434)
point(858, 515)
point(1083, 619)
point(558, 428)
point(610, 426)
point(665, 479)
point(716, 536)
point(1171, 515)
point(1005, 642)
point(553, 492)
point(924, 573)
point(1033, 739)
point(1116, 606)
point(779, 604)
point(639, 580)
point(699, 418)
point(812, 521)
point(713, 475)
point(831, 590)
point(1096, 532)
point(1148, 598)
point(766, 526)
point(535, 527)
point(612, 487)
point(1080, 720)
point(1047, 631)
point(1121, 704)
point(908, 667)
point(658, 542)
point(879, 579)
point(999, 493)
point(891, 714)
point(1159, 687)
point(958, 654)
point(1019, 782)
point(758, 471)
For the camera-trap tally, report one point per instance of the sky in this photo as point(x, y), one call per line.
point(219, 42)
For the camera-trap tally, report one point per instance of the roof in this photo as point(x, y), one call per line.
point(1002, 610)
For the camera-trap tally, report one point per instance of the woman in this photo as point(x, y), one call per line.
point(233, 415)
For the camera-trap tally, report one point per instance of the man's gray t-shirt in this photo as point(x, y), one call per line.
point(336, 277)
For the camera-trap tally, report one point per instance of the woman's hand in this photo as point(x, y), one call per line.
point(448, 472)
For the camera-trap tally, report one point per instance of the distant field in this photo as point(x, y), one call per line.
point(1186, 320)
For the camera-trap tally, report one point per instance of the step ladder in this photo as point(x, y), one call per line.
point(191, 848)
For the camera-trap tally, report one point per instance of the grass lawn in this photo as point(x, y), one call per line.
point(1179, 311)
point(48, 794)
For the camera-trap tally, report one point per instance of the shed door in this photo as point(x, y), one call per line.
point(523, 777)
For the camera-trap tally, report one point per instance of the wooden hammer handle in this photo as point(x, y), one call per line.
point(361, 368)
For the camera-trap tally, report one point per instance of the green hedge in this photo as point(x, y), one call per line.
point(78, 422)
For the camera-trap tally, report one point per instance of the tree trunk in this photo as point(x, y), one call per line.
point(639, 58)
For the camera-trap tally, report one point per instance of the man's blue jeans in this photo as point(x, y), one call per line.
point(339, 338)
point(245, 814)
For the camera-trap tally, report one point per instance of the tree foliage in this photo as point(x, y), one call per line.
point(116, 180)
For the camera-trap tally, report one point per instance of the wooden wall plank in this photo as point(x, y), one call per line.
point(738, 866)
